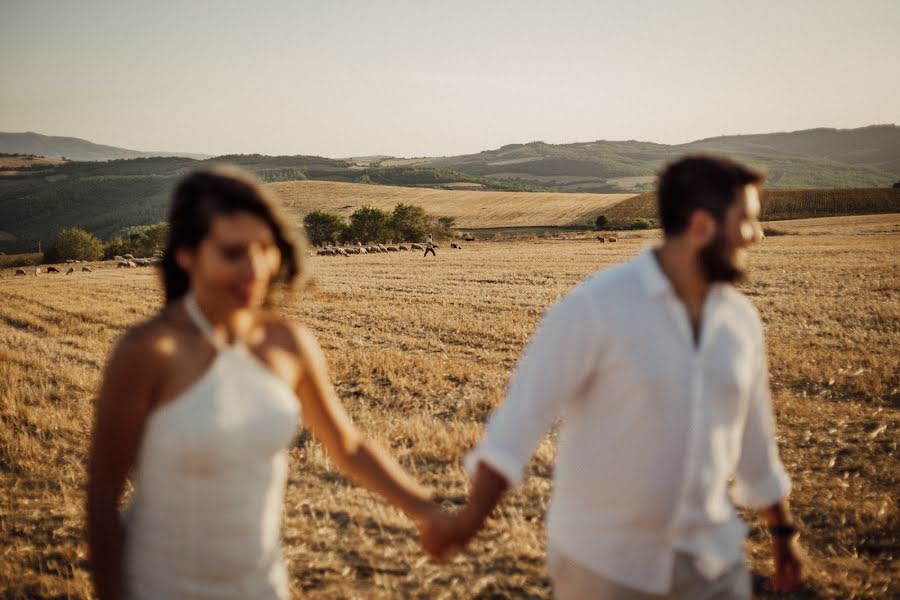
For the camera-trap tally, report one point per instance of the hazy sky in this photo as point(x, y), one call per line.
point(435, 78)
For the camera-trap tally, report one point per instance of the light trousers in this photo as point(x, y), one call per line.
point(573, 581)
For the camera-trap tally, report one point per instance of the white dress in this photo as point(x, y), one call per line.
point(205, 519)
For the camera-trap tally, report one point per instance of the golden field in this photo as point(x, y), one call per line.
point(472, 209)
point(420, 351)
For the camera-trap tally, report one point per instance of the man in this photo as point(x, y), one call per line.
point(429, 246)
point(657, 368)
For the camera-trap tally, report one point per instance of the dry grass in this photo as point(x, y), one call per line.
point(471, 208)
point(420, 351)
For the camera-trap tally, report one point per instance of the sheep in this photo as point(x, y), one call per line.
point(21, 272)
point(469, 238)
point(601, 239)
point(128, 257)
point(392, 249)
point(118, 257)
point(403, 247)
point(612, 239)
point(86, 269)
point(37, 270)
point(70, 271)
point(455, 245)
point(123, 264)
point(417, 247)
point(52, 270)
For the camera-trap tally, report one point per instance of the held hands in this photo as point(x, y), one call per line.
point(443, 535)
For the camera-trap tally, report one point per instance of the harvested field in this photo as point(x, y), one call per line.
point(471, 208)
point(420, 351)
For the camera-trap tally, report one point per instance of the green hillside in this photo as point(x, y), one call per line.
point(815, 158)
point(779, 205)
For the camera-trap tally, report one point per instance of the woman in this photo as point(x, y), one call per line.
point(200, 403)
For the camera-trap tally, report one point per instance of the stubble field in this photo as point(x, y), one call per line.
point(420, 351)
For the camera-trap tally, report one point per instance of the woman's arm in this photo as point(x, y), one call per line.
point(121, 411)
point(359, 458)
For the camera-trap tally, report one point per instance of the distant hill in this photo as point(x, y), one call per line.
point(40, 197)
point(814, 158)
point(73, 148)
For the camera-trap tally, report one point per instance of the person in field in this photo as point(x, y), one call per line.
point(429, 246)
point(657, 368)
point(199, 405)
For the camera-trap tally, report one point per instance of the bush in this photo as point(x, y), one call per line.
point(641, 224)
point(602, 222)
point(74, 244)
point(116, 247)
point(409, 223)
point(323, 227)
point(368, 224)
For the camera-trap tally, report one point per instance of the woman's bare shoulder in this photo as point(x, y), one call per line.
point(154, 339)
point(290, 335)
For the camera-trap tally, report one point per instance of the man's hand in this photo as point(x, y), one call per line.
point(788, 564)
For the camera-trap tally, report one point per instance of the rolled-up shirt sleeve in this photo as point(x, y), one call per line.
point(760, 477)
point(556, 364)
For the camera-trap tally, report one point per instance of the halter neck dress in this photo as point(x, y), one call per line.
point(205, 518)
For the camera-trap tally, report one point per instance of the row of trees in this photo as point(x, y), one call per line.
point(78, 244)
point(372, 225)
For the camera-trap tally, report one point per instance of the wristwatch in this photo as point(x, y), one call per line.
point(784, 530)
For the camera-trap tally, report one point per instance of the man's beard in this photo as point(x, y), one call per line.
point(714, 264)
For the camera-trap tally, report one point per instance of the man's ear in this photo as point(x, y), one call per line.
point(184, 258)
point(702, 227)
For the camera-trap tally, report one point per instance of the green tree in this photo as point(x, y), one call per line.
point(409, 223)
point(602, 222)
point(323, 227)
point(446, 226)
point(74, 244)
point(368, 224)
point(116, 247)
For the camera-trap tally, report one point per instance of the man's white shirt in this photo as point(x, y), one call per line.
point(653, 425)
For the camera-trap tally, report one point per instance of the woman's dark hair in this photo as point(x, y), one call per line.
point(700, 181)
point(205, 193)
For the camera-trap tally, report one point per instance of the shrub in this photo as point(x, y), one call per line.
point(641, 224)
point(74, 244)
point(409, 222)
point(323, 227)
point(602, 222)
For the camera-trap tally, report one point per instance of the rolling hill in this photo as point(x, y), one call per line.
point(490, 189)
point(814, 158)
point(73, 148)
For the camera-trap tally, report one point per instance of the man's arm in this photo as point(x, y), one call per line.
point(761, 481)
point(555, 367)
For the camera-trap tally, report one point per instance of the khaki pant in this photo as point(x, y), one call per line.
point(572, 581)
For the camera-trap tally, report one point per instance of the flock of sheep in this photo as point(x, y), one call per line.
point(126, 261)
point(375, 249)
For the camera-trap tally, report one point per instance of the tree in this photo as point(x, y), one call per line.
point(445, 226)
point(74, 244)
point(116, 247)
point(368, 224)
point(602, 222)
point(409, 223)
point(323, 227)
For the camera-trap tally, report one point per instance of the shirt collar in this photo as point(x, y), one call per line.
point(656, 283)
point(652, 277)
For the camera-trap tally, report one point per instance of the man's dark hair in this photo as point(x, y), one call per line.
point(700, 181)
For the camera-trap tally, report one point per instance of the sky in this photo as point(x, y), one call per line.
point(430, 78)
